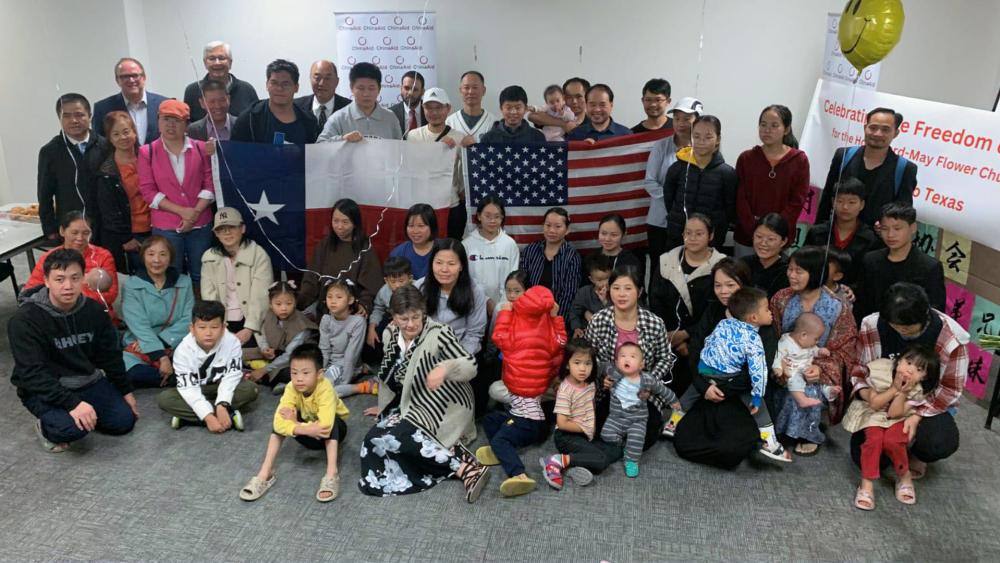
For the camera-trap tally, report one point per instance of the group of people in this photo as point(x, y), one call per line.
point(725, 350)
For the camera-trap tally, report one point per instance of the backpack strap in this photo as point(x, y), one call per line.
point(898, 179)
point(848, 156)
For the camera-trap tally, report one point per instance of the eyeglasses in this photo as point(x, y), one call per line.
point(133, 76)
point(216, 58)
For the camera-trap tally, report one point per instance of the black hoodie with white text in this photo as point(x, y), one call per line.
point(57, 352)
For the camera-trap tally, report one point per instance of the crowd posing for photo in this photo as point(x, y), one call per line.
point(726, 350)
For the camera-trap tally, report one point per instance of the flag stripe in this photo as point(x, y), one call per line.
point(630, 158)
point(636, 176)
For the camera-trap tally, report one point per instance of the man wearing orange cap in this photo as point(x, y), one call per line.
point(175, 178)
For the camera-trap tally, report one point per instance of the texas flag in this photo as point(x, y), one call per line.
point(286, 192)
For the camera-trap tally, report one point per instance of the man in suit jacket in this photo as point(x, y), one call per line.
point(215, 100)
point(67, 163)
point(898, 262)
point(408, 111)
point(324, 100)
point(218, 60)
point(143, 106)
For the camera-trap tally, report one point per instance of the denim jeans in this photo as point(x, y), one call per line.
point(113, 414)
point(507, 433)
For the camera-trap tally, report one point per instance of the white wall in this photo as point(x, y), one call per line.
point(754, 54)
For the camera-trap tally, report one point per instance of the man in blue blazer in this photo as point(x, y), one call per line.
point(143, 106)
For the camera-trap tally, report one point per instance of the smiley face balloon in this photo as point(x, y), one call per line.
point(869, 29)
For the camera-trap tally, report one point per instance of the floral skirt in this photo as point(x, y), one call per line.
point(398, 458)
point(803, 424)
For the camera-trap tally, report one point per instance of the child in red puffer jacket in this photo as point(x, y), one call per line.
point(530, 334)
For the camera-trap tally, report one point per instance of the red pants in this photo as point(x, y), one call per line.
point(890, 441)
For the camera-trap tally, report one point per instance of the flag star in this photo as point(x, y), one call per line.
point(507, 149)
point(552, 168)
point(475, 174)
point(265, 209)
point(489, 149)
point(543, 150)
point(534, 169)
point(525, 149)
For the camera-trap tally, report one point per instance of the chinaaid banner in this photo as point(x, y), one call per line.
point(396, 42)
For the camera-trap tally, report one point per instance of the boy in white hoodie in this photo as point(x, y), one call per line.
point(209, 366)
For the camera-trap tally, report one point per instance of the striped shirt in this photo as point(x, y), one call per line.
point(526, 407)
point(566, 269)
point(577, 403)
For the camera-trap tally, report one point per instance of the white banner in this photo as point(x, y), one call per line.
point(836, 67)
point(955, 148)
point(396, 42)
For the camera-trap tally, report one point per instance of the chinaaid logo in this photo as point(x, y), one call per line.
point(390, 79)
point(373, 20)
point(376, 60)
point(423, 59)
point(411, 40)
point(362, 41)
point(400, 59)
point(387, 40)
point(422, 20)
point(352, 61)
point(398, 20)
point(348, 20)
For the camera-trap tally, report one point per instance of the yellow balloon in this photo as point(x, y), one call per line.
point(869, 29)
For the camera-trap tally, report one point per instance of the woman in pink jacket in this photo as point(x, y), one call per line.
point(175, 178)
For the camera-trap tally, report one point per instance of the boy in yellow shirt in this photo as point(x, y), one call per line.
point(311, 412)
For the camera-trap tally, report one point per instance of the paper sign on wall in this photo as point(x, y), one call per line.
point(810, 207)
point(801, 230)
point(955, 256)
point(977, 380)
point(959, 303)
point(926, 239)
point(985, 318)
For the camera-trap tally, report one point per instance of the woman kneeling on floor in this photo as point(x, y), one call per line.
point(424, 407)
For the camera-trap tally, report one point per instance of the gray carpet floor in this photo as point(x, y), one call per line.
point(160, 494)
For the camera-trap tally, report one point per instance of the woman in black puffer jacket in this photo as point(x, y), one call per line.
point(700, 182)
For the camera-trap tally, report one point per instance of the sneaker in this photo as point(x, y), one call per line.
point(581, 476)
point(176, 422)
point(237, 420)
point(552, 473)
point(631, 468)
point(486, 456)
point(671, 427)
point(279, 389)
point(51, 447)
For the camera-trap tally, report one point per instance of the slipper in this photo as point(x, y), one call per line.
point(777, 454)
point(328, 485)
point(806, 453)
point(255, 488)
point(486, 456)
point(861, 498)
point(906, 494)
point(514, 487)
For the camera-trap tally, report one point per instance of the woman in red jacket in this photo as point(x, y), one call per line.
point(100, 280)
point(530, 334)
point(773, 177)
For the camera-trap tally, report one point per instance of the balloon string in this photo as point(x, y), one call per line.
point(836, 189)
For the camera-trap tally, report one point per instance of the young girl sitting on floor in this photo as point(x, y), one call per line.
point(896, 386)
point(580, 453)
point(341, 335)
point(283, 330)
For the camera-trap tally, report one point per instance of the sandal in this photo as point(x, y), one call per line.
point(474, 480)
point(906, 494)
point(256, 487)
point(802, 449)
point(864, 500)
point(777, 454)
point(329, 485)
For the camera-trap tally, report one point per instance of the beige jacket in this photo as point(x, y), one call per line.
point(670, 269)
point(253, 277)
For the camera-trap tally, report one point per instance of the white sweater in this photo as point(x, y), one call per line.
point(195, 367)
point(490, 261)
point(485, 123)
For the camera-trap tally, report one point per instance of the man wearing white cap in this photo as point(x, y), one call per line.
point(661, 156)
point(437, 106)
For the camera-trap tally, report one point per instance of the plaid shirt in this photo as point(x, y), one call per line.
point(658, 357)
point(950, 347)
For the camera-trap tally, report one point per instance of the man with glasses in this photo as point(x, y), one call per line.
point(655, 101)
point(141, 105)
point(277, 120)
point(218, 59)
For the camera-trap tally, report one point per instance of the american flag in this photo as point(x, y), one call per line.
point(589, 180)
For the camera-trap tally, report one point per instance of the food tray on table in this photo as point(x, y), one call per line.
point(27, 212)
